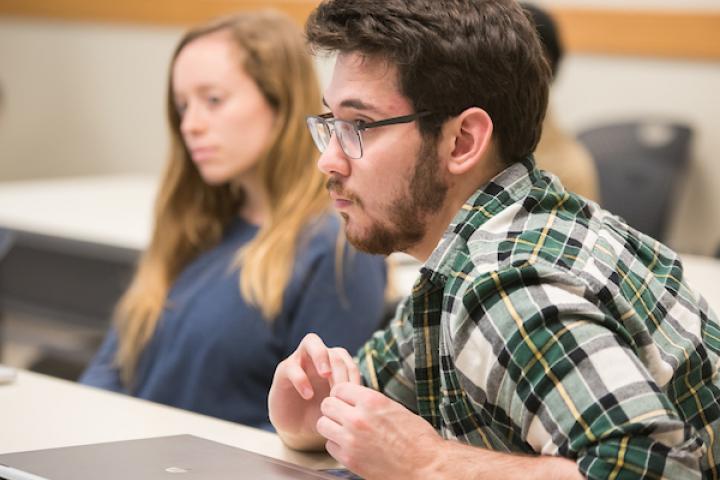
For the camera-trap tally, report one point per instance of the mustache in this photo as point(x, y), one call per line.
point(335, 185)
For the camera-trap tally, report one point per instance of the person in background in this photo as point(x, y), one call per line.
point(544, 338)
point(559, 152)
point(246, 255)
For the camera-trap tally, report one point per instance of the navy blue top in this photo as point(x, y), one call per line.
point(214, 354)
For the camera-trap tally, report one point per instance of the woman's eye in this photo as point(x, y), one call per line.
point(180, 109)
point(214, 100)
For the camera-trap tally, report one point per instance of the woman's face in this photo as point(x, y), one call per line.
point(225, 120)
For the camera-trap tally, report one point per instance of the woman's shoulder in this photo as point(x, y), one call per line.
point(323, 237)
point(321, 233)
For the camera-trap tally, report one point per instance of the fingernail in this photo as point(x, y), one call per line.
point(307, 393)
point(324, 369)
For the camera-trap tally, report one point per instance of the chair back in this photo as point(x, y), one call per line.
point(640, 167)
point(6, 241)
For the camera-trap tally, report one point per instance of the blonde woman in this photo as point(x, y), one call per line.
point(245, 258)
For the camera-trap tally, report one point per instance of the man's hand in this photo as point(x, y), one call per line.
point(300, 384)
point(378, 438)
point(375, 436)
point(316, 400)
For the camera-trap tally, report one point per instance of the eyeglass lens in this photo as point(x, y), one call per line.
point(348, 136)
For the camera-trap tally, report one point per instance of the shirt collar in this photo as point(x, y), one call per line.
point(506, 188)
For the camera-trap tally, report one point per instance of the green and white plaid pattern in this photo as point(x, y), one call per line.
point(543, 324)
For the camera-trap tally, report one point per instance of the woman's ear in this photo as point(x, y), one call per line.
point(469, 135)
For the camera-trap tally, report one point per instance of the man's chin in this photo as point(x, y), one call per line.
point(375, 241)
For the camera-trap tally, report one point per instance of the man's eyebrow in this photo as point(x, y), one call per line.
point(354, 104)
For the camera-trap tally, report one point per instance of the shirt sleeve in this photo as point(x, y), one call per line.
point(343, 306)
point(387, 361)
point(102, 372)
point(571, 379)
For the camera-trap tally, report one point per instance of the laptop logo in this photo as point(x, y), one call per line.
point(176, 470)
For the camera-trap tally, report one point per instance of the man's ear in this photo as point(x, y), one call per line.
point(469, 135)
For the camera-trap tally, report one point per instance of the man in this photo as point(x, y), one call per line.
point(544, 338)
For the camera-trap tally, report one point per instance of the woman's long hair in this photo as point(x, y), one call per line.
point(190, 215)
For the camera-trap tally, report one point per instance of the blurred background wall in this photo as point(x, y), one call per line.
point(84, 91)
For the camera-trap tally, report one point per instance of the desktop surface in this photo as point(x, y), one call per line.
point(42, 412)
point(111, 210)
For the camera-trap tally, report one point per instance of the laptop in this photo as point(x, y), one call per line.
point(177, 457)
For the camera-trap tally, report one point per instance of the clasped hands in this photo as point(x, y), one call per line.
point(317, 399)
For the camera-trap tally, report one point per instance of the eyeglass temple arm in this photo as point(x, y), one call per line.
point(394, 120)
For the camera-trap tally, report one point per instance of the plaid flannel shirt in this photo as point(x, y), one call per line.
point(542, 324)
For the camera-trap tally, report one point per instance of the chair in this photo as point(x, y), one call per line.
point(62, 291)
point(6, 240)
point(640, 165)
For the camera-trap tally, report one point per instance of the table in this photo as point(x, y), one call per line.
point(703, 275)
point(38, 412)
point(110, 210)
point(74, 243)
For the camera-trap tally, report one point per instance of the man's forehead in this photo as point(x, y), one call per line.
point(366, 83)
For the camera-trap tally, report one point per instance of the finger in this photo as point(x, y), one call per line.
point(299, 379)
point(353, 370)
point(337, 410)
point(339, 362)
point(352, 393)
point(313, 348)
point(334, 450)
point(329, 429)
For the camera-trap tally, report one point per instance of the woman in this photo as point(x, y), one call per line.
point(245, 257)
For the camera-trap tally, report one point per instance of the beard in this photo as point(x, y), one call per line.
point(407, 214)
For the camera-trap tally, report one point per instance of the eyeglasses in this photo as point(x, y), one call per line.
point(348, 133)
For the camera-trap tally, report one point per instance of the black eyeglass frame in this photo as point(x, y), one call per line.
point(359, 126)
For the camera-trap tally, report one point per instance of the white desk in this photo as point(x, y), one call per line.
point(74, 245)
point(37, 412)
point(113, 210)
point(703, 274)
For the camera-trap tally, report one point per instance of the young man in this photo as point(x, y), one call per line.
point(544, 337)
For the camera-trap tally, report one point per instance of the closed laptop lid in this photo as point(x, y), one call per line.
point(178, 457)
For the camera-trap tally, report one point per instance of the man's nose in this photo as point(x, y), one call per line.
point(333, 160)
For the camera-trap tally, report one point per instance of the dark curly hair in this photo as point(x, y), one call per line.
point(451, 55)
